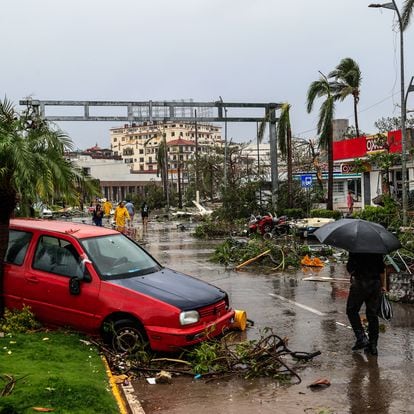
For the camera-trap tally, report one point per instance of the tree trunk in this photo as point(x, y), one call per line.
point(329, 204)
point(8, 201)
point(289, 167)
point(356, 115)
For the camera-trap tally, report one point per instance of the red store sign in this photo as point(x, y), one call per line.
point(361, 147)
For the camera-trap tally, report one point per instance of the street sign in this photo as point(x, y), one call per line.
point(306, 180)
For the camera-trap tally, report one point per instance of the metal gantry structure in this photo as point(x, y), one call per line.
point(167, 111)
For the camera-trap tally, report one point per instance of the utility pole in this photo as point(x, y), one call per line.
point(196, 150)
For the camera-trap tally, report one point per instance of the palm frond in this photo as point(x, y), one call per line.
point(407, 12)
point(262, 128)
point(283, 128)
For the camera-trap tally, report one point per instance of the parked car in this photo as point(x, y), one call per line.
point(306, 227)
point(46, 213)
point(99, 281)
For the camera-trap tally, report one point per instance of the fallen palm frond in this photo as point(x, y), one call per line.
point(267, 356)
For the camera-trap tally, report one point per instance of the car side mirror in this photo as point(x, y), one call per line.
point(74, 286)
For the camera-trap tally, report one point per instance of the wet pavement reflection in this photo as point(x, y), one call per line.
point(312, 315)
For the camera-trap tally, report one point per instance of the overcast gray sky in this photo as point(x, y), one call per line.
point(242, 50)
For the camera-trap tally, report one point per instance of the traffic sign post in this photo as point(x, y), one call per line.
point(306, 180)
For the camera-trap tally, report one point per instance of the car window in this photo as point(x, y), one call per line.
point(117, 256)
point(17, 247)
point(58, 256)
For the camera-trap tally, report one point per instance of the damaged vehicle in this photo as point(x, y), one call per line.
point(98, 281)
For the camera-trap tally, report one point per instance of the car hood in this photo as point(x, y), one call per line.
point(175, 288)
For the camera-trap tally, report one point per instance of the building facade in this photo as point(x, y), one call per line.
point(138, 144)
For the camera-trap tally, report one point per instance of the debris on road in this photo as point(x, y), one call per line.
point(267, 356)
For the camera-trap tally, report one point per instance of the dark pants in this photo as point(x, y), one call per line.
point(368, 292)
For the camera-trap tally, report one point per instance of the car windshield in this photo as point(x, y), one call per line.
point(116, 257)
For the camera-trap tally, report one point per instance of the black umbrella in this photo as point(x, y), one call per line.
point(358, 236)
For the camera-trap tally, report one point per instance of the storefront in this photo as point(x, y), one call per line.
point(371, 182)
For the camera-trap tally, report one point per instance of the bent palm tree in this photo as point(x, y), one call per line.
point(407, 12)
point(322, 88)
point(32, 165)
point(347, 82)
point(284, 137)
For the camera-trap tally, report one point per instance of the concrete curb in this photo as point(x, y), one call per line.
point(134, 406)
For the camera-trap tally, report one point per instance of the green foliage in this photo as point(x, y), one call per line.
point(294, 213)
point(300, 198)
point(239, 201)
point(234, 251)
point(154, 196)
point(18, 321)
point(212, 229)
point(335, 214)
point(204, 357)
point(387, 215)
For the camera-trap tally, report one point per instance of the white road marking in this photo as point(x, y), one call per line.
point(299, 305)
point(308, 308)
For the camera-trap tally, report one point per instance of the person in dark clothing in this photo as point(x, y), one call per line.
point(97, 215)
point(144, 215)
point(367, 272)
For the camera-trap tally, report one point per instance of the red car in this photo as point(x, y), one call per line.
point(99, 281)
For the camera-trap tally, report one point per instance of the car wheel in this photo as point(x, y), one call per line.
point(267, 228)
point(128, 336)
point(268, 236)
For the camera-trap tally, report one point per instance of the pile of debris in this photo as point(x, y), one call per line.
point(268, 356)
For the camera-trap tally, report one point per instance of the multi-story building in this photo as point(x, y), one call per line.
point(138, 144)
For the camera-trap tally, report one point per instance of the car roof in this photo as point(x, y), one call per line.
point(77, 230)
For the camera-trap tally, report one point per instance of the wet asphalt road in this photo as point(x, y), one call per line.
point(312, 315)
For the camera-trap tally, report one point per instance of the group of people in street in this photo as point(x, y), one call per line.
point(123, 216)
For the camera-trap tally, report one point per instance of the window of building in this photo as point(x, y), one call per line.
point(338, 187)
point(150, 159)
point(141, 159)
point(115, 139)
point(141, 168)
point(172, 133)
point(150, 167)
point(181, 133)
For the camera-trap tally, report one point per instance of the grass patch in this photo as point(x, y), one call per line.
point(53, 370)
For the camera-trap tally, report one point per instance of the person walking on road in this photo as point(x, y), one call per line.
point(121, 217)
point(131, 209)
point(107, 207)
point(367, 272)
point(144, 215)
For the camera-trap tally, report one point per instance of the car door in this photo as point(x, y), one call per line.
point(55, 261)
point(14, 268)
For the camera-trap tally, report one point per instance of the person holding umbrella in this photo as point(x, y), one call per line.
point(366, 243)
point(367, 272)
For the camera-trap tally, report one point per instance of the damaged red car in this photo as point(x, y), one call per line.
point(98, 281)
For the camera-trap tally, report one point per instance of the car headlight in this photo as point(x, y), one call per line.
point(188, 317)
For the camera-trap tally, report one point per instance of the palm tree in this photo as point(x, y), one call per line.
point(347, 76)
point(32, 166)
point(162, 166)
point(284, 136)
point(407, 12)
point(322, 88)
